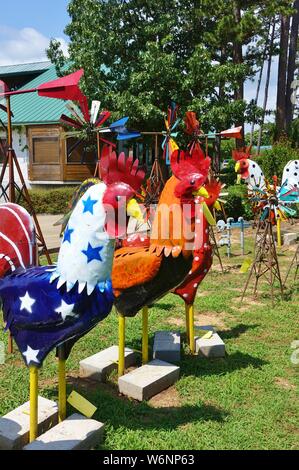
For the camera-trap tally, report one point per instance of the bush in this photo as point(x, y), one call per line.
point(237, 204)
point(51, 201)
point(228, 174)
point(227, 146)
point(273, 161)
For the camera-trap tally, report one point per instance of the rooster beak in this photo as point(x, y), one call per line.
point(217, 206)
point(208, 215)
point(133, 210)
point(237, 167)
point(201, 192)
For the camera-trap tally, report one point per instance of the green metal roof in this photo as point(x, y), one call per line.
point(24, 69)
point(29, 109)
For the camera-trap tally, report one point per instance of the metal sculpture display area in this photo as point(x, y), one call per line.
point(100, 265)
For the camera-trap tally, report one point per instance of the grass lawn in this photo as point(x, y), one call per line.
point(248, 400)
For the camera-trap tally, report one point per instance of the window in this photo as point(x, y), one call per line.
point(84, 152)
point(45, 150)
point(2, 149)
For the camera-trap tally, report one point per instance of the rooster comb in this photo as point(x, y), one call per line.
point(119, 169)
point(239, 154)
point(185, 163)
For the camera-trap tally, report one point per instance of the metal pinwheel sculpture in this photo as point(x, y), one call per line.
point(88, 122)
point(268, 199)
point(171, 123)
point(192, 129)
point(274, 202)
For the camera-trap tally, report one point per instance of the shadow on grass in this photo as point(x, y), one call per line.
point(237, 331)
point(200, 366)
point(120, 412)
point(290, 291)
point(136, 343)
point(163, 306)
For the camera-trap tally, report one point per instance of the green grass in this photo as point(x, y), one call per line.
point(248, 400)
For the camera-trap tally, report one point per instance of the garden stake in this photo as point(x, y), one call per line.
point(145, 335)
point(33, 371)
point(121, 345)
point(61, 384)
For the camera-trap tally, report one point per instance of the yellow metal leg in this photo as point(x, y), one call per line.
point(187, 307)
point(33, 403)
point(61, 390)
point(191, 329)
point(121, 346)
point(145, 335)
point(279, 244)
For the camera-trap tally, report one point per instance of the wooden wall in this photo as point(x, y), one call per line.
point(48, 157)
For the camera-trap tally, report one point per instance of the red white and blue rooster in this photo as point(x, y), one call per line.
point(46, 307)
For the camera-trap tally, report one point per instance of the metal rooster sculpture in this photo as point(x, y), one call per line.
point(248, 170)
point(53, 306)
point(142, 275)
point(202, 252)
point(202, 260)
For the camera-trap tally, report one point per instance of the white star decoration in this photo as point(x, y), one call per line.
point(176, 338)
point(31, 355)
point(27, 302)
point(66, 310)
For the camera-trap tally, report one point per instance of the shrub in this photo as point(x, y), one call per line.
point(228, 174)
point(227, 146)
point(294, 133)
point(237, 204)
point(51, 201)
point(273, 161)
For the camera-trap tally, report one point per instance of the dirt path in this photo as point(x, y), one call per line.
point(51, 233)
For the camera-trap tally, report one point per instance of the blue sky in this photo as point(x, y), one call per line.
point(46, 16)
point(26, 27)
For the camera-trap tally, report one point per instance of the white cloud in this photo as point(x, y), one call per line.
point(251, 87)
point(24, 45)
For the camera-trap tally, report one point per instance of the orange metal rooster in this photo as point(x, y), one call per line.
point(202, 262)
point(142, 275)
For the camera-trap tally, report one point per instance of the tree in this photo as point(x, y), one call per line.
point(286, 65)
point(292, 65)
point(282, 70)
point(139, 55)
point(266, 86)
